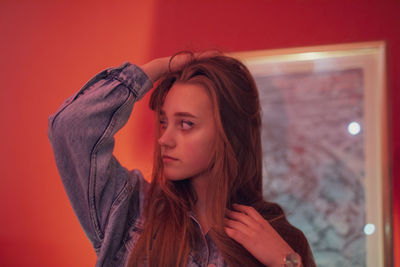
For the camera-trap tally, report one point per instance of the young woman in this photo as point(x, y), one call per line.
point(204, 206)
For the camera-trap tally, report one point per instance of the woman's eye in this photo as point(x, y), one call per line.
point(186, 125)
point(163, 124)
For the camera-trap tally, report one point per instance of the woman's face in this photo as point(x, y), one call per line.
point(187, 131)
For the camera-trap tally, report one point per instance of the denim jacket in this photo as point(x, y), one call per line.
point(106, 197)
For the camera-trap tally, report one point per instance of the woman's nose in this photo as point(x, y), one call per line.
point(167, 139)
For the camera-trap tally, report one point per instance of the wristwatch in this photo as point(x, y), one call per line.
point(292, 260)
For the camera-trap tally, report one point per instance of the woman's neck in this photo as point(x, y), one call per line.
point(200, 185)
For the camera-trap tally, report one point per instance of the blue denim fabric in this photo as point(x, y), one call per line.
point(106, 197)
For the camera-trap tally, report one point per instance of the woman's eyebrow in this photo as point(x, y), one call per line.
point(184, 114)
point(180, 114)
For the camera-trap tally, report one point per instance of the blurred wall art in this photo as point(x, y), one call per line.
point(325, 142)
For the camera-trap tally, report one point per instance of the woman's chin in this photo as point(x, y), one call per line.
point(174, 177)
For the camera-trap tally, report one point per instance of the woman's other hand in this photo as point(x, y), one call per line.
point(246, 226)
point(156, 68)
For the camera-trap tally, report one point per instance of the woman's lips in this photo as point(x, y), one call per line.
point(166, 158)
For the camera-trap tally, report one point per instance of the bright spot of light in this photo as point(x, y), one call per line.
point(354, 128)
point(369, 229)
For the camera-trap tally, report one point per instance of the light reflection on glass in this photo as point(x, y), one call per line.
point(369, 229)
point(354, 128)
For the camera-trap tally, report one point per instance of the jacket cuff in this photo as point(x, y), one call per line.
point(133, 77)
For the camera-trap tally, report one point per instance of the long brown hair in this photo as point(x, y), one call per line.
point(235, 169)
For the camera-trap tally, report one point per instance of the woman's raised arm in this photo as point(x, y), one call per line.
point(81, 134)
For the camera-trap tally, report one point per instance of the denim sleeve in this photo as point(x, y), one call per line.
point(81, 134)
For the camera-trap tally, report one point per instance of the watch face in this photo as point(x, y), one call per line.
point(292, 260)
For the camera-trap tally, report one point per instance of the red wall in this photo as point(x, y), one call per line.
point(49, 50)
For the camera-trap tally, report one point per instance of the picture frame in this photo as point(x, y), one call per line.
point(325, 146)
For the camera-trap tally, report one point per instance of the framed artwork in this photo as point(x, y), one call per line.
point(325, 147)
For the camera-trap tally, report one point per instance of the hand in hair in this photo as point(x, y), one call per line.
point(156, 68)
point(247, 227)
